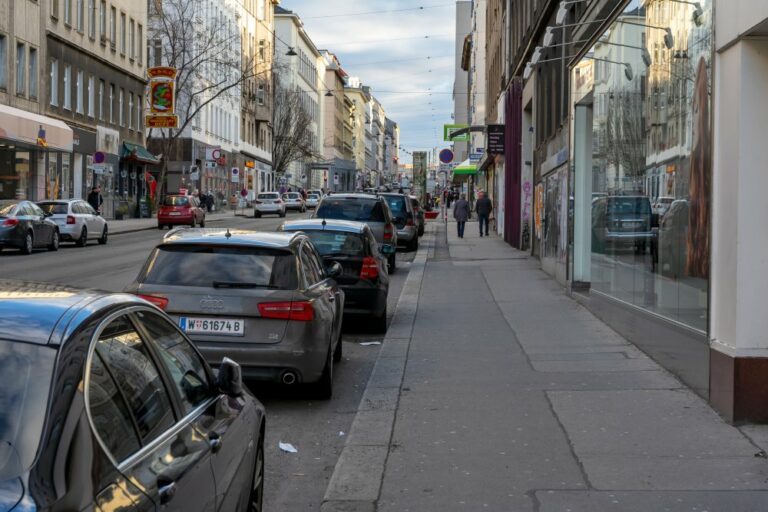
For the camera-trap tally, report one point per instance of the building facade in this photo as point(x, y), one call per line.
point(359, 99)
point(461, 78)
point(338, 151)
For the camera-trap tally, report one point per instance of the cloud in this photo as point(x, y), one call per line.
point(397, 40)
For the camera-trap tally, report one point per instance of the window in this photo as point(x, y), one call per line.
point(21, 67)
point(262, 50)
point(3, 62)
point(140, 44)
point(157, 50)
point(79, 93)
point(312, 273)
point(112, 103)
point(55, 9)
point(120, 118)
point(110, 413)
point(112, 27)
point(180, 358)
point(122, 33)
point(130, 110)
point(80, 14)
point(260, 94)
point(103, 21)
point(68, 12)
point(68, 87)
point(260, 9)
point(91, 96)
point(127, 359)
point(92, 19)
point(139, 123)
point(54, 83)
point(32, 72)
point(101, 100)
point(132, 39)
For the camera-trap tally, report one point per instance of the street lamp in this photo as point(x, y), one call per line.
point(698, 12)
point(669, 39)
point(562, 12)
point(646, 55)
point(291, 52)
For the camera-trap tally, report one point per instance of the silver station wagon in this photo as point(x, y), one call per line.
point(262, 299)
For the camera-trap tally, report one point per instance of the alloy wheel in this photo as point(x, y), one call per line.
point(257, 493)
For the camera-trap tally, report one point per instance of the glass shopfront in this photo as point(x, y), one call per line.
point(645, 168)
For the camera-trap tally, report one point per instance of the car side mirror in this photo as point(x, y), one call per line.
point(334, 270)
point(386, 249)
point(230, 378)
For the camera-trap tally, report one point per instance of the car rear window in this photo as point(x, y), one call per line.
point(176, 201)
point(267, 196)
point(198, 265)
point(354, 209)
point(396, 204)
point(54, 208)
point(629, 205)
point(337, 243)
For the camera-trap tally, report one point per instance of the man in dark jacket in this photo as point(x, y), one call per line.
point(95, 199)
point(483, 207)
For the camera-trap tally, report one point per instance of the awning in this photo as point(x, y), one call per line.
point(138, 153)
point(33, 129)
point(465, 167)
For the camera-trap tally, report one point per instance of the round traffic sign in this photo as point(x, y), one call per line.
point(446, 156)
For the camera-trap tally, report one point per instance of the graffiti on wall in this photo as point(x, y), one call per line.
point(539, 211)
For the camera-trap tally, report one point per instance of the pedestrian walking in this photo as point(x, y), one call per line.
point(95, 199)
point(483, 207)
point(461, 214)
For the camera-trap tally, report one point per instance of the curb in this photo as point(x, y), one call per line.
point(358, 476)
point(148, 228)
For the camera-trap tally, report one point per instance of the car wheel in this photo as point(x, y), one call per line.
point(324, 387)
point(160, 226)
point(29, 243)
point(257, 492)
point(413, 245)
point(392, 264)
point(194, 224)
point(380, 322)
point(282, 214)
point(54, 246)
point(103, 237)
point(256, 215)
point(339, 351)
point(421, 231)
point(83, 240)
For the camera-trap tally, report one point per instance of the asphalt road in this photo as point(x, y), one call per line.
point(316, 428)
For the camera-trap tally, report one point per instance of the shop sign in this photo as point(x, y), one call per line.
point(161, 121)
point(495, 139)
point(161, 97)
point(162, 72)
point(250, 164)
point(448, 129)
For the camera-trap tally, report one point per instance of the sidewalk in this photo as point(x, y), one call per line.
point(118, 227)
point(495, 391)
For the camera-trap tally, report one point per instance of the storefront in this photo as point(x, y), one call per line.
point(35, 155)
point(640, 175)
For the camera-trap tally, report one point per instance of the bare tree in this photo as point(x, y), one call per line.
point(206, 52)
point(625, 137)
point(292, 137)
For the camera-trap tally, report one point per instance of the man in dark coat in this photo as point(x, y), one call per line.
point(95, 199)
point(461, 214)
point(483, 208)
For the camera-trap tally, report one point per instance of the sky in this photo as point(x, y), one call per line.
point(402, 49)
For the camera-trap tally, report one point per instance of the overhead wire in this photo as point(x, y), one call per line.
point(342, 15)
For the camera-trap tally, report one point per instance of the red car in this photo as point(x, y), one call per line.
point(180, 210)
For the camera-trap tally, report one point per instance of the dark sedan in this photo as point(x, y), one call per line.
point(25, 226)
point(106, 405)
point(364, 278)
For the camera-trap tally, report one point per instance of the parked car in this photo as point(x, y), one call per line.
point(294, 201)
point(319, 193)
point(77, 220)
point(180, 210)
point(25, 226)
point(312, 200)
point(371, 209)
point(405, 219)
point(364, 277)
point(419, 211)
point(107, 405)
point(661, 205)
point(262, 299)
point(268, 202)
point(620, 222)
point(673, 239)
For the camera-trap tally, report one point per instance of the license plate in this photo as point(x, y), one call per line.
point(174, 213)
point(220, 326)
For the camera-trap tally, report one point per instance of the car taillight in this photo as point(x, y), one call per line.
point(409, 222)
point(70, 219)
point(10, 222)
point(160, 302)
point(256, 202)
point(388, 232)
point(370, 269)
point(299, 311)
point(279, 201)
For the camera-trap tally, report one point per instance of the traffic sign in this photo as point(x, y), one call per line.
point(446, 156)
point(213, 154)
point(235, 175)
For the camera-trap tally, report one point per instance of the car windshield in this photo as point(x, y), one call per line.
point(313, 196)
point(355, 209)
point(202, 265)
point(6, 208)
point(337, 243)
point(54, 208)
point(629, 205)
point(26, 371)
point(176, 201)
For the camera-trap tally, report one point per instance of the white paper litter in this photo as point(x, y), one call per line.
point(341, 434)
point(287, 447)
point(368, 343)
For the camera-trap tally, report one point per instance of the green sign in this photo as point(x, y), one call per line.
point(448, 129)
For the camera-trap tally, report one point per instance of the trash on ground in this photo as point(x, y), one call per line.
point(368, 343)
point(341, 434)
point(287, 447)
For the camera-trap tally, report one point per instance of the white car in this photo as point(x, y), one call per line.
point(661, 205)
point(77, 220)
point(294, 201)
point(268, 202)
point(312, 200)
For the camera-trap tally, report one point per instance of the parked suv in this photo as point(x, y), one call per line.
point(405, 219)
point(371, 209)
point(622, 222)
point(294, 201)
point(268, 202)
